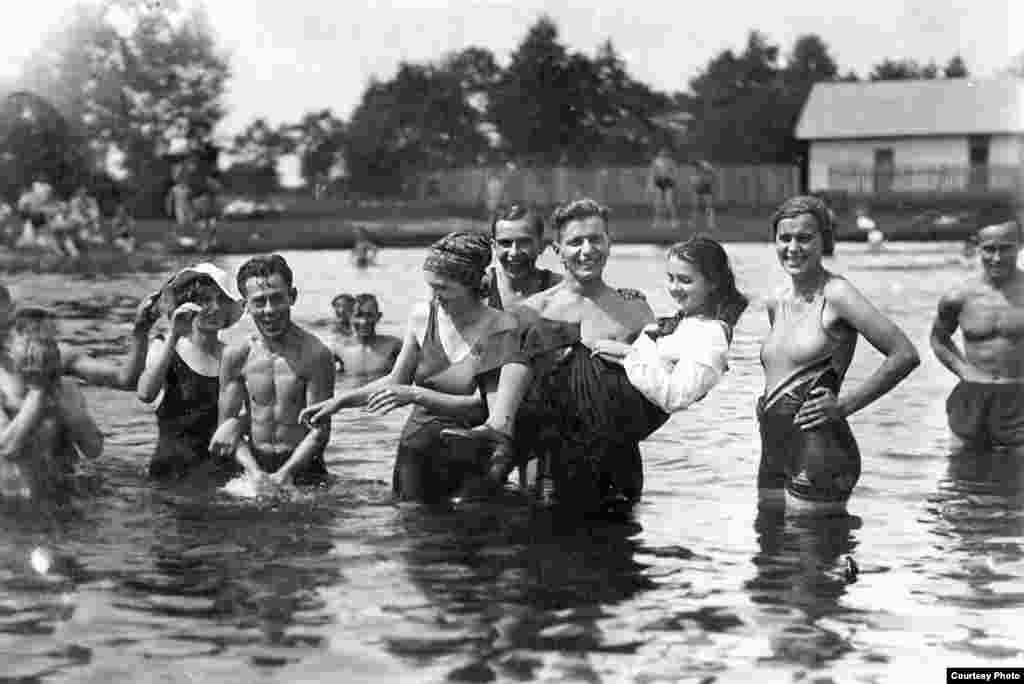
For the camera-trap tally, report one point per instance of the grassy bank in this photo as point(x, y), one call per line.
point(418, 226)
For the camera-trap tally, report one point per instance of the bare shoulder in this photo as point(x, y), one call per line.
point(313, 348)
point(540, 302)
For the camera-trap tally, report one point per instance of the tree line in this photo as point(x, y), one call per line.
point(128, 78)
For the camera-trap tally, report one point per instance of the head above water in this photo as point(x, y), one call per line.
point(266, 284)
point(462, 257)
point(264, 267)
point(31, 346)
point(722, 300)
point(365, 315)
point(811, 206)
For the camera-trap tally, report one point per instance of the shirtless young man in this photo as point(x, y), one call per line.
point(368, 355)
point(274, 375)
point(986, 409)
point(44, 422)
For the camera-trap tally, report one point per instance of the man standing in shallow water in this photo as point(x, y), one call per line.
point(986, 409)
point(274, 374)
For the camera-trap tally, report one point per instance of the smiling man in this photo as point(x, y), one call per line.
point(986, 409)
point(275, 374)
point(517, 236)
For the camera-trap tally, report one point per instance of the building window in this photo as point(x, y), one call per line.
point(885, 169)
point(978, 149)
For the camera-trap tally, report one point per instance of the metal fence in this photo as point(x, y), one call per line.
point(747, 186)
point(862, 180)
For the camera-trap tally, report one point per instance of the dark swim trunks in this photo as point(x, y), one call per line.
point(663, 183)
point(987, 414)
point(819, 465)
point(314, 472)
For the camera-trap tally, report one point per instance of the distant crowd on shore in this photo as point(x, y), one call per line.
point(66, 226)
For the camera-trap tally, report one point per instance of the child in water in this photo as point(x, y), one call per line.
point(676, 361)
point(44, 421)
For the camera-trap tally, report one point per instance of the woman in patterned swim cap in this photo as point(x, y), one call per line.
point(454, 349)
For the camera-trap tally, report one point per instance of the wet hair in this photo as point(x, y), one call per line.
point(264, 267)
point(366, 299)
point(726, 302)
point(519, 212)
point(577, 210)
point(31, 343)
point(343, 297)
point(995, 216)
point(461, 256)
point(807, 204)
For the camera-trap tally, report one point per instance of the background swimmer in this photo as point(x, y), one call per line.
point(368, 355)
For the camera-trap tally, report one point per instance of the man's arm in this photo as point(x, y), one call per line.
point(319, 387)
point(230, 402)
point(947, 320)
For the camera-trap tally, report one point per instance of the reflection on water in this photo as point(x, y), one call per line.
point(128, 582)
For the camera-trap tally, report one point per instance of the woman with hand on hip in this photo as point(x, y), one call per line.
point(809, 457)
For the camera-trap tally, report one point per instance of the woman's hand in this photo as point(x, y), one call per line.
point(181, 319)
point(318, 413)
point(820, 408)
point(147, 313)
point(391, 397)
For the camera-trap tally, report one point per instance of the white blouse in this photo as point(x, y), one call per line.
point(677, 370)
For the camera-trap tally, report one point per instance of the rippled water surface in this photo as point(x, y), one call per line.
point(134, 583)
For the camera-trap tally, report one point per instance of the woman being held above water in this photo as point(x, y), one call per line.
point(676, 362)
point(183, 371)
point(454, 349)
point(809, 457)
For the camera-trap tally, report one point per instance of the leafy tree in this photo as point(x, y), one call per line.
point(739, 116)
point(319, 140)
point(901, 70)
point(956, 68)
point(131, 90)
point(419, 120)
point(533, 106)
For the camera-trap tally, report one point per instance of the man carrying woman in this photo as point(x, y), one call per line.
point(581, 411)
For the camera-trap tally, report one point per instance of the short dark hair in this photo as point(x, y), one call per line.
point(997, 215)
point(576, 210)
point(519, 212)
point(343, 297)
point(264, 267)
point(366, 299)
point(813, 206)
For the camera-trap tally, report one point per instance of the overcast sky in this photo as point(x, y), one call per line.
point(291, 56)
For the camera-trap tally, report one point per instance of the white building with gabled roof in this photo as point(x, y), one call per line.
point(915, 136)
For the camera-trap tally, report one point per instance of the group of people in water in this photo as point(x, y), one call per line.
point(507, 366)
